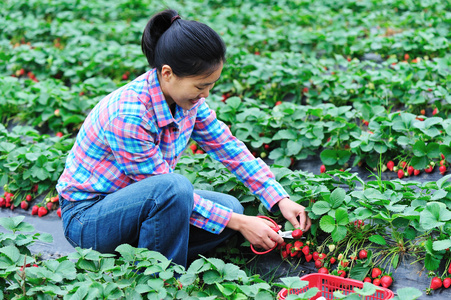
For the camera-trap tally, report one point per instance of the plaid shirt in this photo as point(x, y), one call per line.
point(131, 135)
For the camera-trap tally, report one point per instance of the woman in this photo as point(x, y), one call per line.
point(118, 185)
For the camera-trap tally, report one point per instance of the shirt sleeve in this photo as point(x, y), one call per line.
point(132, 142)
point(217, 140)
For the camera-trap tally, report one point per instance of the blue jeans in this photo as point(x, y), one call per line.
point(153, 213)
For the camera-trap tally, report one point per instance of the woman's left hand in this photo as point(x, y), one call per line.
point(291, 211)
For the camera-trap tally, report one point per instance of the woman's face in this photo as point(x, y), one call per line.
point(186, 91)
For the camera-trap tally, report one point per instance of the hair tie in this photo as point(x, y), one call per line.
point(175, 18)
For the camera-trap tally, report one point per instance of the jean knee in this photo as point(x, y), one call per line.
point(183, 189)
point(238, 207)
point(235, 205)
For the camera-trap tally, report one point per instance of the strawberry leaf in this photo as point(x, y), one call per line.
point(377, 239)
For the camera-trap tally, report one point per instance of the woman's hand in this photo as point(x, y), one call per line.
point(291, 211)
point(259, 232)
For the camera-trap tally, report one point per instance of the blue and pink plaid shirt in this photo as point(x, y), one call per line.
point(131, 135)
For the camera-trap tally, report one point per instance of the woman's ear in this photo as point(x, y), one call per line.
point(166, 73)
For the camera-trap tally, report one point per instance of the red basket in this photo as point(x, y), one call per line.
point(328, 284)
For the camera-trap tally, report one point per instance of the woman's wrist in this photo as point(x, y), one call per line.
point(236, 221)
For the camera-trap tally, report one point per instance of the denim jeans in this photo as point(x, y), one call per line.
point(153, 213)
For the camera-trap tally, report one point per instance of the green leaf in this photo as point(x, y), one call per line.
point(431, 262)
point(321, 208)
point(16, 224)
point(395, 260)
point(339, 233)
point(327, 224)
point(341, 215)
point(212, 276)
point(11, 252)
point(439, 194)
point(328, 157)
point(377, 239)
point(419, 149)
point(337, 197)
point(408, 293)
point(359, 272)
point(441, 245)
point(419, 163)
point(368, 289)
point(294, 283)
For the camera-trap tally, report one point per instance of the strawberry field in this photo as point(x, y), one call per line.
point(349, 102)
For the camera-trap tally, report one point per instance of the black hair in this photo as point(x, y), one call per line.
point(190, 48)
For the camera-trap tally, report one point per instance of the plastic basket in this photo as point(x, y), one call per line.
point(328, 284)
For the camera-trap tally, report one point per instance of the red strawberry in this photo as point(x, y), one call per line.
point(442, 156)
point(377, 282)
point(59, 134)
point(322, 169)
point(29, 198)
point(288, 247)
point(400, 173)
point(367, 279)
point(200, 152)
point(410, 170)
point(315, 255)
point(297, 234)
point(305, 90)
point(58, 212)
point(436, 283)
point(435, 111)
point(403, 164)
point(442, 162)
point(376, 272)
point(390, 165)
point(447, 282)
point(278, 103)
point(423, 112)
point(266, 146)
point(449, 269)
point(306, 250)
point(322, 256)
point(386, 281)
point(308, 257)
point(363, 254)
point(24, 205)
point(342, 273)
point(42, 211)
point(323, 271)
point(34, 210)
point(193, 147)
point(344, 263)
point(318, 264)
point(124, 76)
point(49, 206)
point(406, 56)
point(282, 246)
point(35, 188)
point(298, 245)
point(2, 202)
point(429, 169)
point(332, 260)
point(442, 170)
point(285, 254)
point(294, 252)
point(416, 172)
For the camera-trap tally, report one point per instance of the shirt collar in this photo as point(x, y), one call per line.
point(160, 106)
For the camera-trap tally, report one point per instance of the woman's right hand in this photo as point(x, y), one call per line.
point(259, 232)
